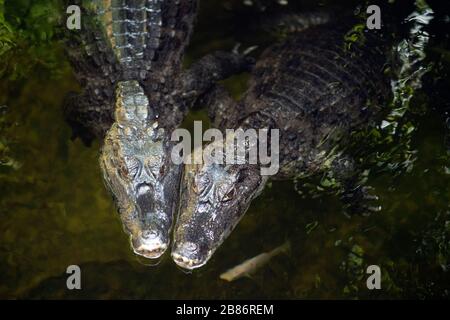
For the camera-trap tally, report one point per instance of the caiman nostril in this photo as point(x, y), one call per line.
point(189, 247)
point(150, 234)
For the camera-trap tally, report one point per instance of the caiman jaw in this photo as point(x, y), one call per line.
point(182, 256)
point(137, 168)
point(149, 245)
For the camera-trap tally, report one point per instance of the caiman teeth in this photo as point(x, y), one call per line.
point(184, 262)
point(150, 252)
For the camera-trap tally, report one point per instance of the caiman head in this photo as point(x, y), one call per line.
point(137, 168)
point(214, 197)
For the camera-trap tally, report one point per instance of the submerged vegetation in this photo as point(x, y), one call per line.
point(27, 36)
point(55, 211)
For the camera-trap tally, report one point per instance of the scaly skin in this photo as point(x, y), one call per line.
point(316, 93)
point(127, 58)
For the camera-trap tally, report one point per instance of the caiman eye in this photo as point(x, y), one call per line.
point(241, 176)
point(122, 170)
point(229, 195)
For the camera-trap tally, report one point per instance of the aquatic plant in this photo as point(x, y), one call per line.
point(27, 31)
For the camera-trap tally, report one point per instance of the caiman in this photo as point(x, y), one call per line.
point(316, 89)
point(128, 58)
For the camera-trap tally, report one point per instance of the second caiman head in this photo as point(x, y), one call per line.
point(137, 168)
point(213, 199)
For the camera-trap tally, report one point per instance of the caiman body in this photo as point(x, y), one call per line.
point(141, 40)
point(128, 60)
point(316, 89)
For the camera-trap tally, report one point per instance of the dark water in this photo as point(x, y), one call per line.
point(56, 212)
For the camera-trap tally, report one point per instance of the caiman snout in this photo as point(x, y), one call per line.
point(144, 198)
point(150, 244)
point(153, 238)
point(187, 255)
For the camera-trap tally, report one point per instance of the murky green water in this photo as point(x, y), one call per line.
point(55, 211)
